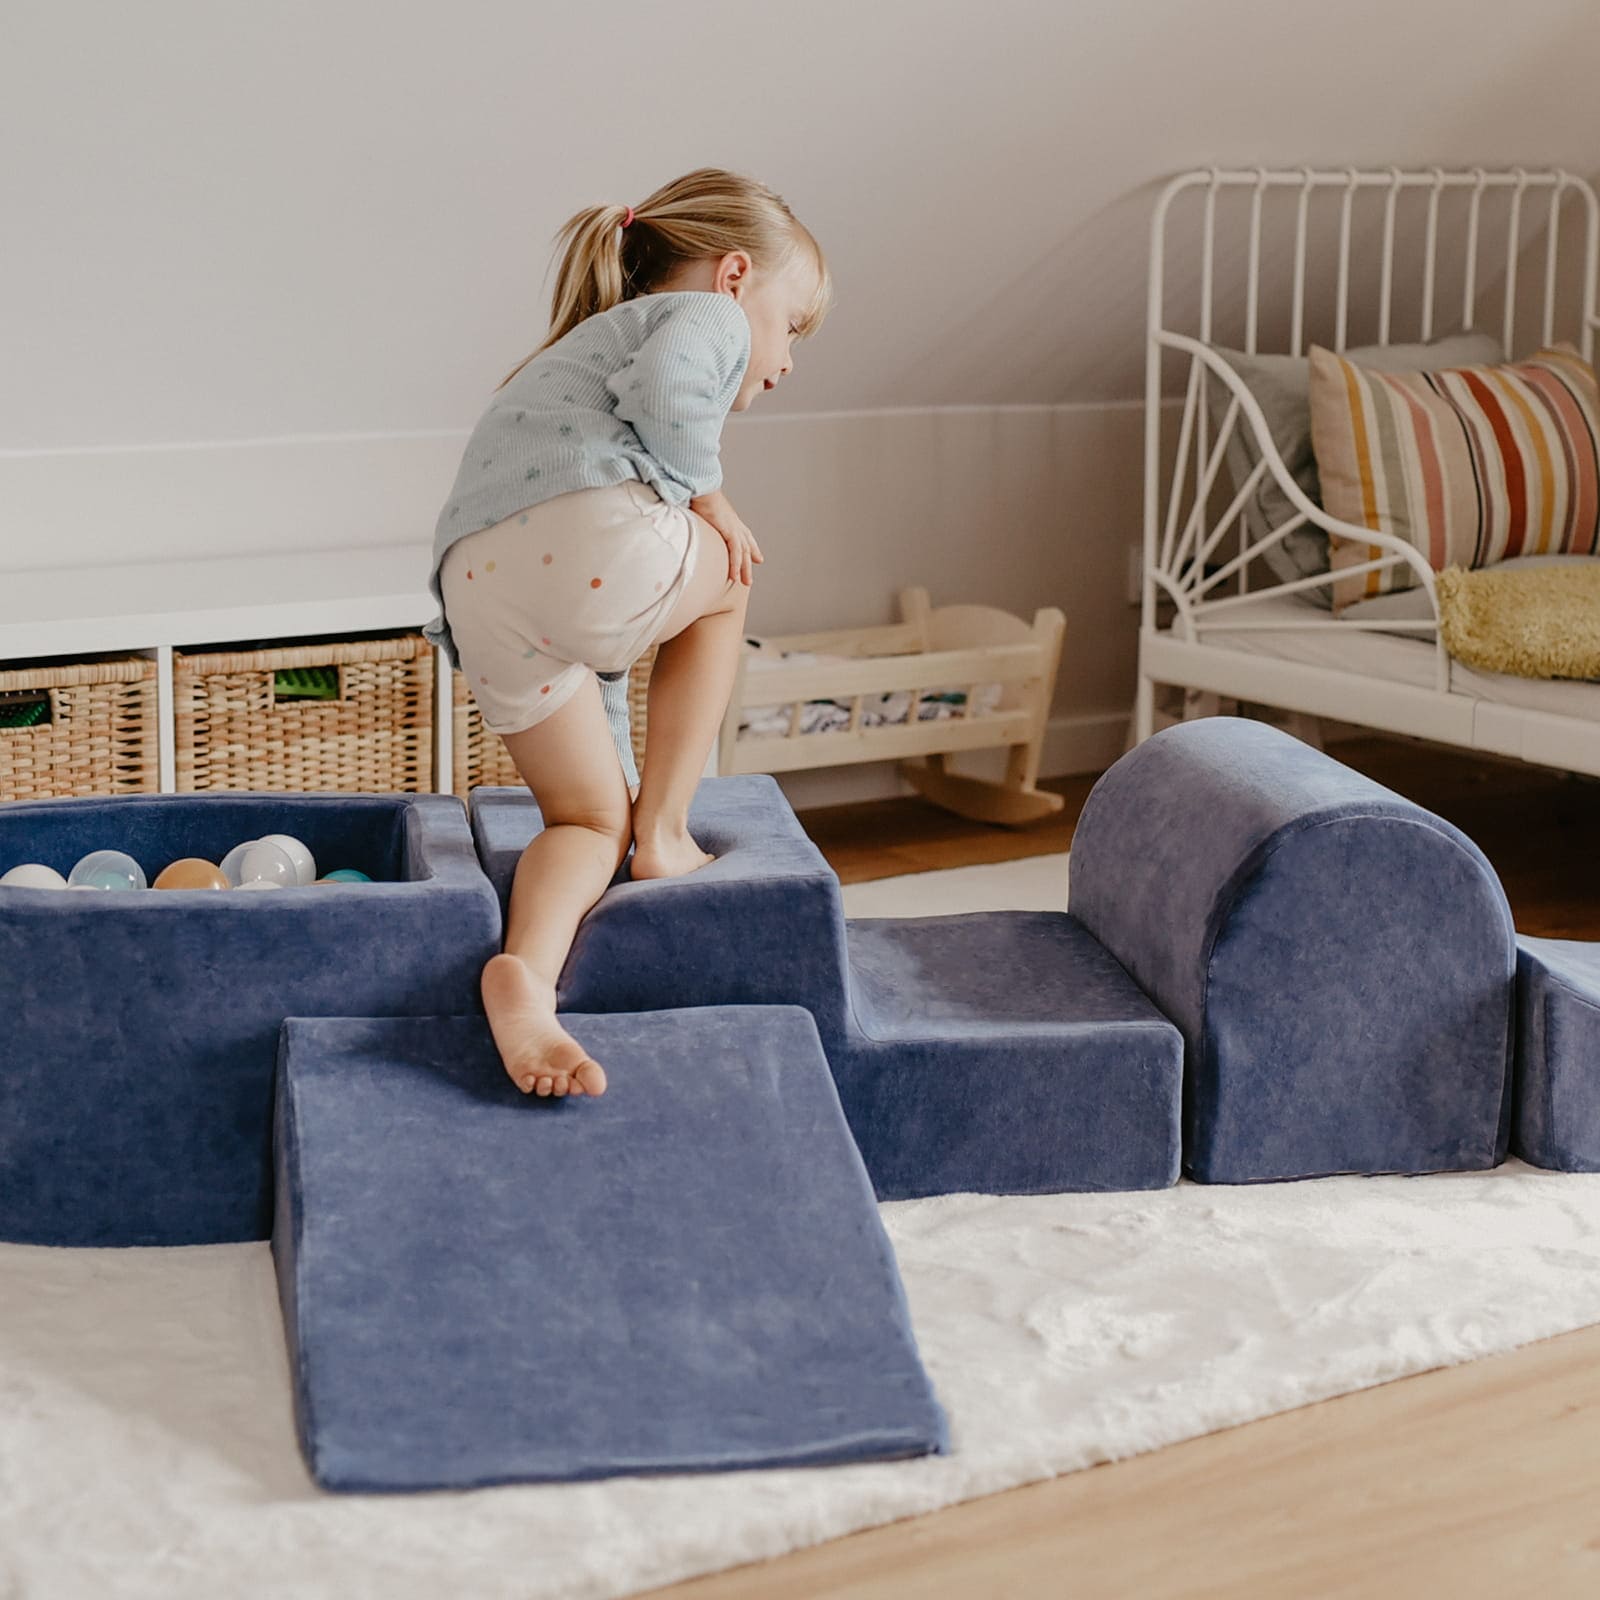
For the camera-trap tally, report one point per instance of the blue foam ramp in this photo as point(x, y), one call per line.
point(687, 1273)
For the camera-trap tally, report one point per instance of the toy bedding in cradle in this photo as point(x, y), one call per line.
point(942, 679)
point(830, 716)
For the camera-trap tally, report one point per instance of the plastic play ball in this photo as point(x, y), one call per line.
point(259, 858)
point(345, 875)
point(33, 875)
point(260, 883)
point(107, 869)
point(192, 872)
point(231, 862)
point(305, 864)
point(268, 862)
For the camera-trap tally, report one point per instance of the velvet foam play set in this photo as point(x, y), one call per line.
point(1272, 968)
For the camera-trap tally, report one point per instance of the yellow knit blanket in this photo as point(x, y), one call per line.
point(1539, 622)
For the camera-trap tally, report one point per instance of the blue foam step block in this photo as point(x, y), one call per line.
point(1003, 1052)
point(1007, 1052)
point(761, 924)
point(686, 1273)
point(1557, 1123)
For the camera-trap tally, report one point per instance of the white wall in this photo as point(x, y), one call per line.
point(1017, 506)
point(228, 220)
point(263, 263)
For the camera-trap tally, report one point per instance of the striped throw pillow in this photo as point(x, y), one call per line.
point(1471, 465)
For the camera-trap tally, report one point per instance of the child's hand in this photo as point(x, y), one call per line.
point(742, 547)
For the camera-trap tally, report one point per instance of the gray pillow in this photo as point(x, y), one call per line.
point(1282, 388)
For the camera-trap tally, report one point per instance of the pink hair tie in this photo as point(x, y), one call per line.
point(629, 218)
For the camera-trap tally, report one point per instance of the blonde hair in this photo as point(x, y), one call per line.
point(705, 213)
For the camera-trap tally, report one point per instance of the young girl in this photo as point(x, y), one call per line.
point(586, 524)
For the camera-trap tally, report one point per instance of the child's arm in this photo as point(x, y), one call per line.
point(676, 388)
point(742, 547)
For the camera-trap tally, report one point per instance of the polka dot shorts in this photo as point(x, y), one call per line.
point(576, 584)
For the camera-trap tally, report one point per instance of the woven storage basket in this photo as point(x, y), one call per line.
point(476, 754)
point(99, 736)
point(232, 732)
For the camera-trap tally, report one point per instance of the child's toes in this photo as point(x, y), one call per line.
point(590, 1078)
point(542, 1087)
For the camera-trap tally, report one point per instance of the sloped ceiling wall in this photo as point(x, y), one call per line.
point(322, 217)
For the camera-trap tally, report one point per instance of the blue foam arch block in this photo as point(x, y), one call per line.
point(1341, 961)
point(687, 1273)
point(1003, 1052)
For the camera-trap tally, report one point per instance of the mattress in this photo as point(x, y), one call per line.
point(1396, 658)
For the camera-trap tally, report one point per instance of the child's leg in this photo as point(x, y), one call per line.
point(696, 658)
point(570, 763)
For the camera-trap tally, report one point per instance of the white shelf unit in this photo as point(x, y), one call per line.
point(153, 607)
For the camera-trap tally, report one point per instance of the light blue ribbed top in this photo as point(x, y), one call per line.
point(637, 392)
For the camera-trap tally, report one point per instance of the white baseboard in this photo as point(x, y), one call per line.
point(1084, 743)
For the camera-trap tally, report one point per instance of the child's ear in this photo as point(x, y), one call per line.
point(733, 272)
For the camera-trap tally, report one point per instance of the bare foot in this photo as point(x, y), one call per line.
point(540, 1056)
point(666, 855)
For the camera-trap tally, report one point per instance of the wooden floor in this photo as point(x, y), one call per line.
point(1541, 829)
point(1482, 1479)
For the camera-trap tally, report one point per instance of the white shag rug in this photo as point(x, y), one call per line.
point(147, 1449)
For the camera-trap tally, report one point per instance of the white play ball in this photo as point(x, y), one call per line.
point(259, 858)
point(262, 883)
point(229, 864)
point(263, 859)
point(305, 864)
point(33, 875)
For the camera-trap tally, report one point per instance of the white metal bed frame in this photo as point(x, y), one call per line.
point(1180, 533)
